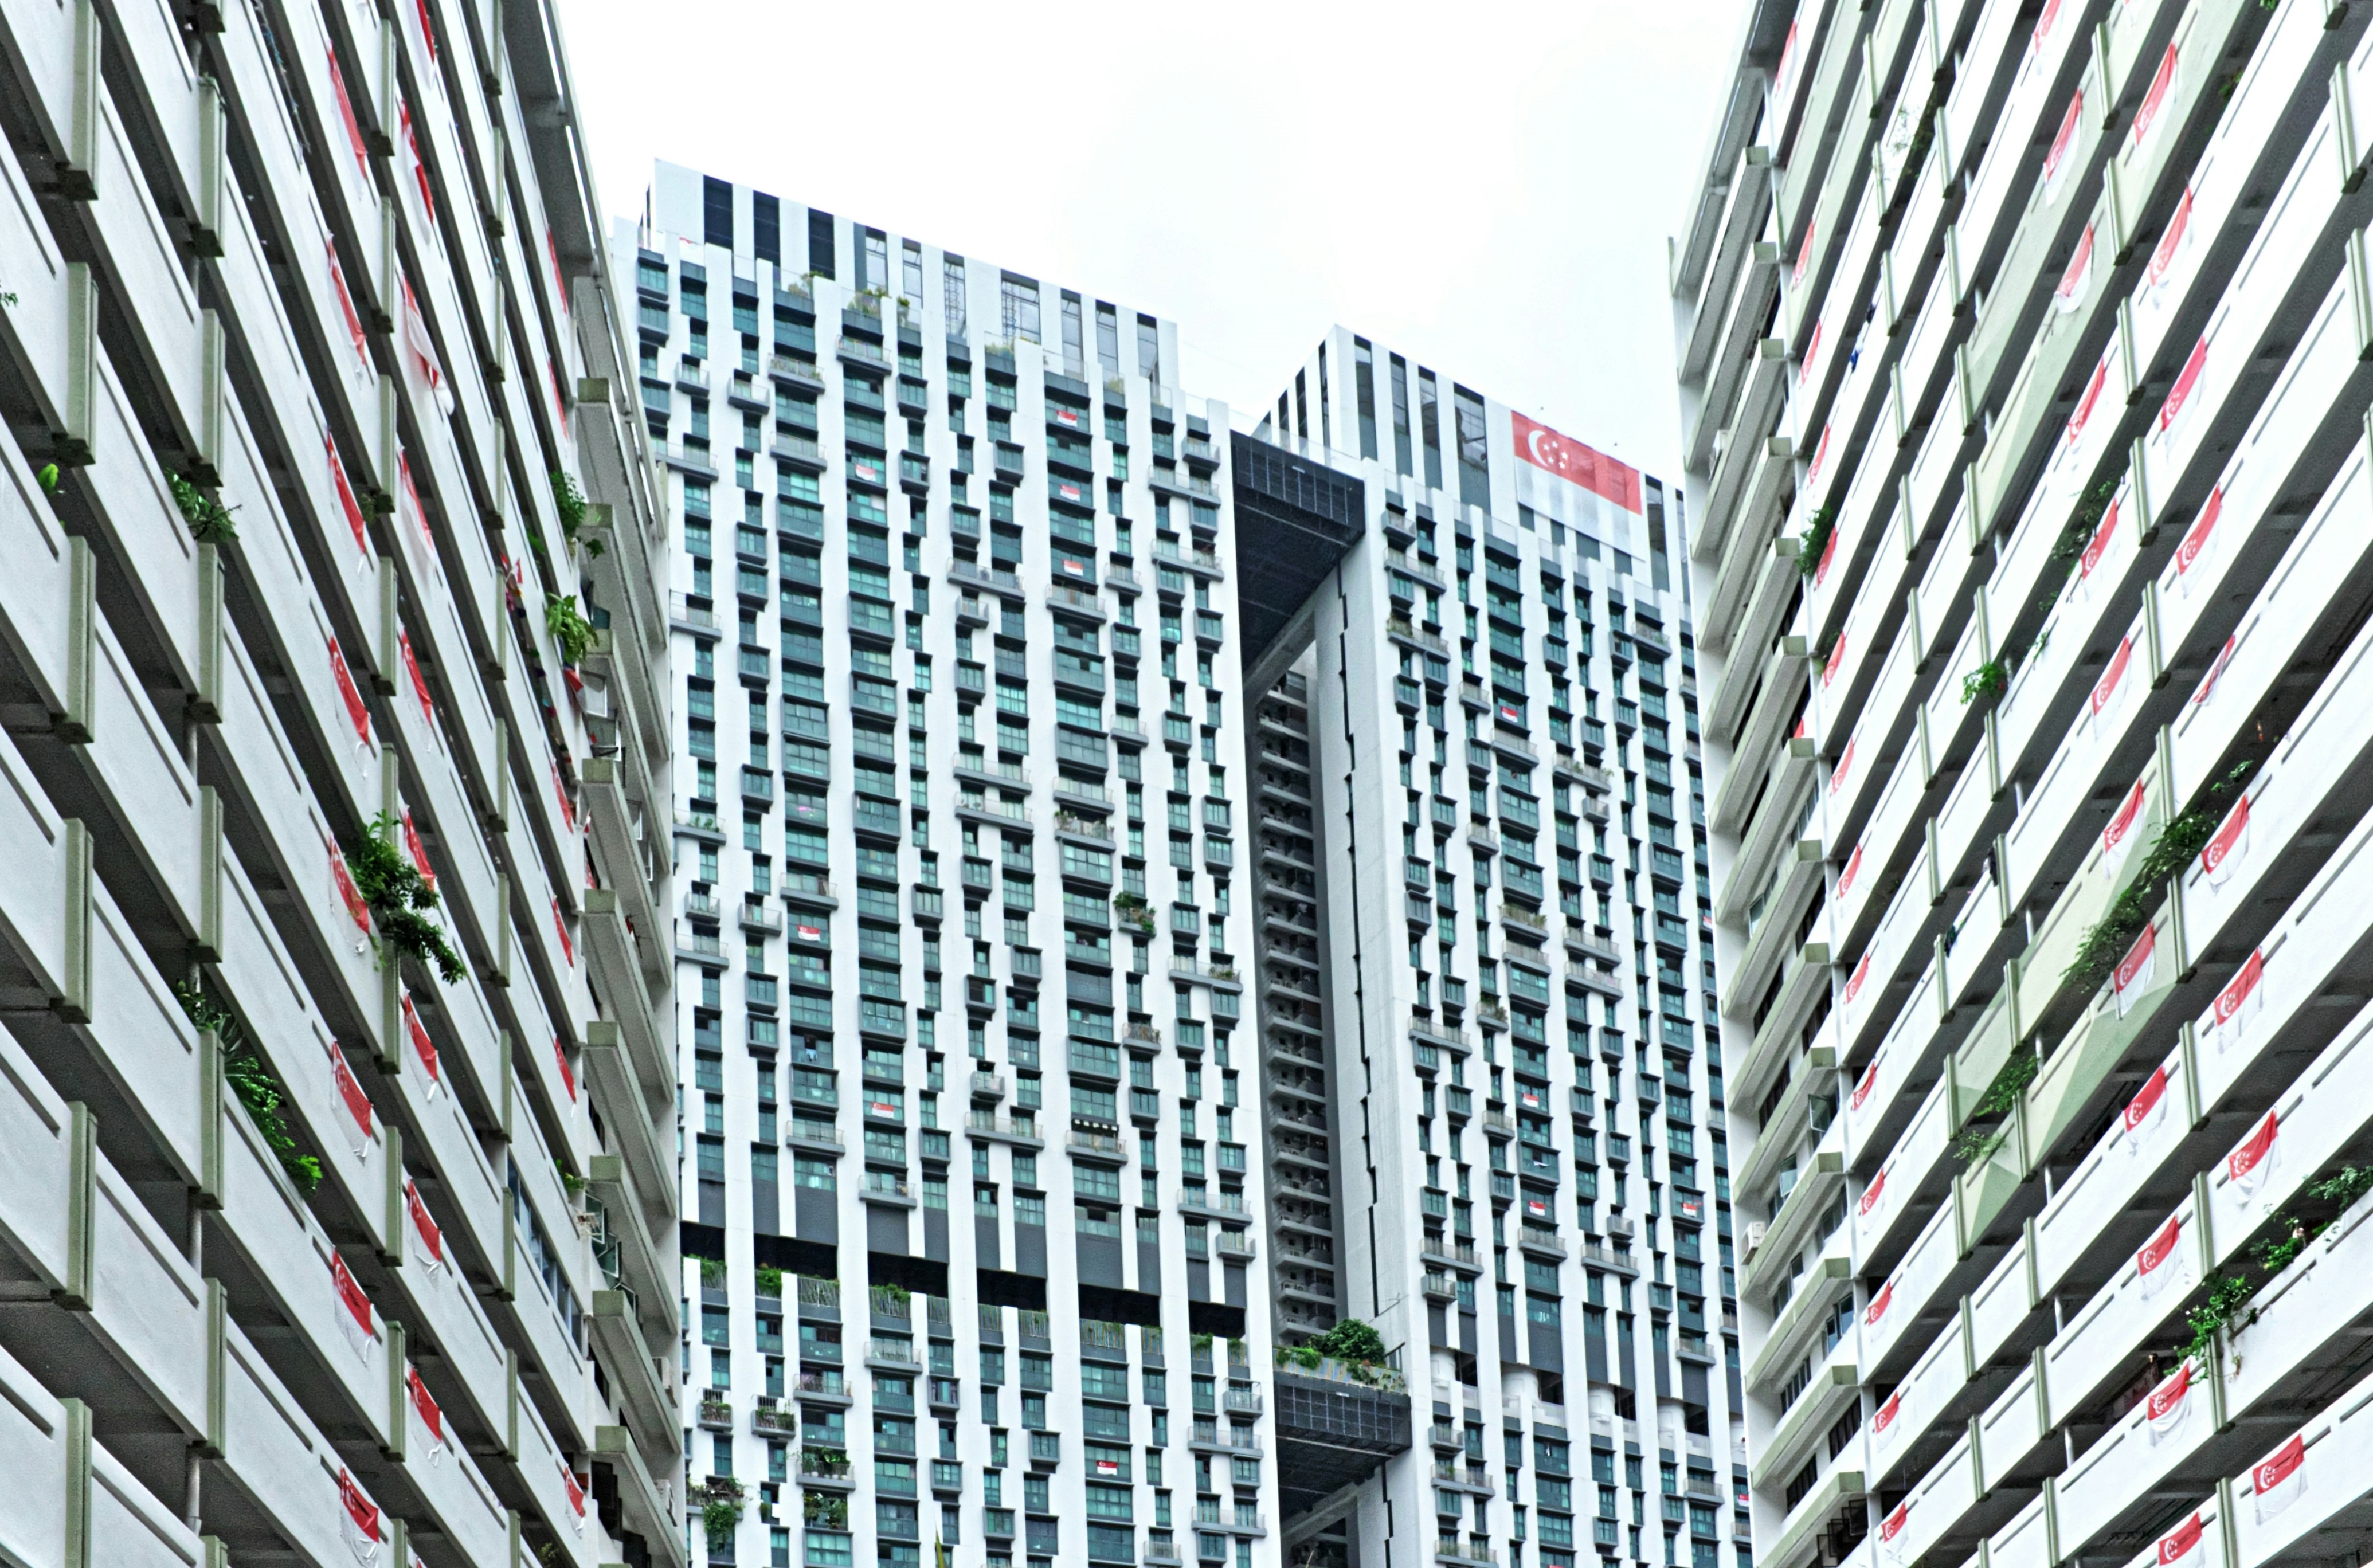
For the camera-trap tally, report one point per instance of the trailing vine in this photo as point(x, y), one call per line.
point(1815, 540)
point(2090, 508)
point(208, 518)
point(397, 893)
point(1976, 1144)
point(258, 1091)
point(2227, 1293)
point(2177, 841)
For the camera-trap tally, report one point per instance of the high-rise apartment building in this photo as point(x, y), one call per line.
point(2022, 354)
point(1485, 990)
point(335, 1076)
point(970, 1175)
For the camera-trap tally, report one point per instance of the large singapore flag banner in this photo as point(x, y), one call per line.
point(1563, 480)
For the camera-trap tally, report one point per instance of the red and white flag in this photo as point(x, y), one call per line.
point(2109, 698)
point(1885, 1425)
point(418, 538)
point(568, 1074)
point(1784, 75)
point(2058, 159)
point(423, 349)
point(2097, 549)
point(359, 1524)
point(1892, 1541)
point(1820, 460)
point(1846, 877)
point(2160, 1262)
point(2175, 414)
point(2076, 280)
point(2118, 834)
point(419, 682)
point(1867, 1083)
point(576, 1490)
point(357, 711)
point(2236, 1010)
point(1844, 769)
point(359, 1131)
point(1873, 1195)
point(2147, 117)
point(2248, 1167)
point(2132, 975)
point(2198, 545)
point(360, 370)
point(430, 1415)
point(1812, 351)
point(2067, 468)
point(2207, 687)
point(1878, 1304)
point(1855, 981)
point(423, 1047)
point(560, 924)
point(567, 806)
point(1572, 482)
point(2145, 1112)
point(425, 1234)
point(2043, 23)
point(1829, 554)
point(346, 113)
point(2167, 1405)
point(2174, 246)
point(2179, 1543)
point(1804, 256)
point(418, 851)
point(349, 503)
point(346, 896)
point(1837, 653)
point(419, 168)
point(2276, 1481)
point(2231, 844)
point(352, 1308)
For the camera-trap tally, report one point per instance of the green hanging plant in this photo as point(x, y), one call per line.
point(2227, 1293)
point(2176, 842)
point(770, 1279)
point(570, 501)
point(1990, 679)
point(1815, 540)
point(396, 892)
point(209, 520)
point(568, 626)
point(1976, 1144)
point(246, 1076)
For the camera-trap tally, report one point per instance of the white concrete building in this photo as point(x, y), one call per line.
point(334, 1026)
point(1495, 1107)
point(2022, 356)
point(963, 921)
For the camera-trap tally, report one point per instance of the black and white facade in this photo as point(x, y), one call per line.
point(970, 1175)
point(1487, 991)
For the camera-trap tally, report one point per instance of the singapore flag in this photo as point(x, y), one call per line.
point(1891, 1539)
point(2249, 1166)
point(2230, 842)
point(2117, 833)
point(2179, 1543)
point(2108, 696)
point(359, 1522)
point(2199, 543)
point(1575, 484)
point(2168, 1404)
point(2160, 1262)
point(2175, 414)
point(2145, 1113)
point(2174, 246)
point(2237, 1007)
point(1885, 1425)
point(2277, 1479)
point(2132, 975)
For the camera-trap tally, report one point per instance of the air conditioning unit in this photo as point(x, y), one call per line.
point(1755, 1230)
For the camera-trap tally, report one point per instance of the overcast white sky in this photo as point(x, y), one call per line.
point(1485, 186)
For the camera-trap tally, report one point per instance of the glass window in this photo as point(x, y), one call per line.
point(1017, 308)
